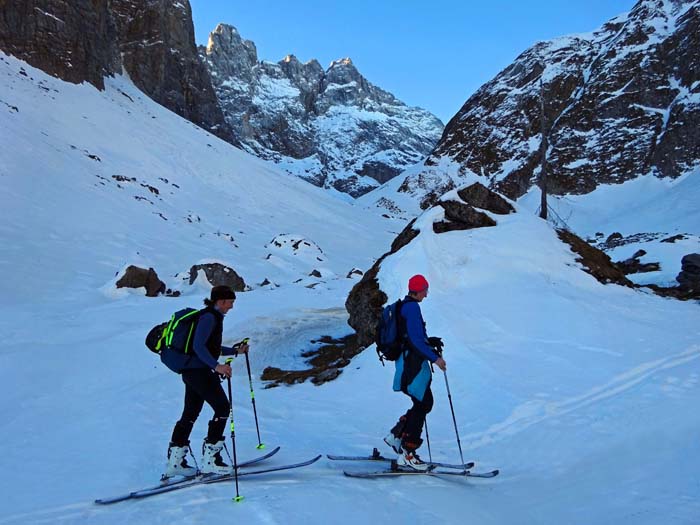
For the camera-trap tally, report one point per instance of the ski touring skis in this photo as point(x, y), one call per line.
point(431, 472)
point(376, 456)
point(185, 480)
point(215, 478)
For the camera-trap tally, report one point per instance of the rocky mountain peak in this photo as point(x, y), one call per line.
point(331, 127)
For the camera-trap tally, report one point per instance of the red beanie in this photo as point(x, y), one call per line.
point(417, 283)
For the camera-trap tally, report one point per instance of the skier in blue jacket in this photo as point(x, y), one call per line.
point(413, 376)
point(201, 378)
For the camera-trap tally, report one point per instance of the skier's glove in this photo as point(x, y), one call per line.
point(241, 343)
point(436, 342)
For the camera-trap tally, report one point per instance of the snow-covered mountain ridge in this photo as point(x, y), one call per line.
point(331, 127)
point(619, 103)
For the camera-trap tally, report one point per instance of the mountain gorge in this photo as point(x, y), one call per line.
point(331, 127)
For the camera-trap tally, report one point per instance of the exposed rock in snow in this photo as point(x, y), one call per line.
point(689, 278)
point(218, 275)
point(135, 277)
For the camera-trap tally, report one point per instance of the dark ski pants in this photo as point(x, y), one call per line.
point(410, 426)
point(201, 384)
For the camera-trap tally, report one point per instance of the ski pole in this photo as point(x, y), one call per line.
point(233, 436)
point(427, 440)
point(454, 420)
point(252, 398)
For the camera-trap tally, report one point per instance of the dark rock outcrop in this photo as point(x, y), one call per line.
point(135, 277)
point(460, 216)
point(689, 277)
point(480, 196)
point(325, 362)
point(75, 41)
point(634, 265)
point(331, 127)
point(219, 275)
point(156, 40)
point(594, 261)
point(365, 301)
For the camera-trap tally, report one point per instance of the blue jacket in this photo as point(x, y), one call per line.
point(413, 374)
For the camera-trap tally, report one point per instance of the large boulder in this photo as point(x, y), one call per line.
point(218, 275)
point(689, 278)
point(480, 196)
point(135, 277)
point(460, 216)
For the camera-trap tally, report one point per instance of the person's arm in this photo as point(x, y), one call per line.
point(205, 325)
point(416, 333)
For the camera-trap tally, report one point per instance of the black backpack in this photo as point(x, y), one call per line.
point(173, 339)
point(390, 333)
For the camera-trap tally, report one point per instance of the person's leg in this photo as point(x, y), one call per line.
point(192, 407)
point(180, 441)
point(213, 393)
point(415, 419)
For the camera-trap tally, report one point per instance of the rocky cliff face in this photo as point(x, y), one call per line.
point(86, 40)
point(331, 127)
point(620, 102)
point(75, 41)
point(156, 40)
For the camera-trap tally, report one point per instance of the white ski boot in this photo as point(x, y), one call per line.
point(212, 462)
point(409, 460)
point(177, 462)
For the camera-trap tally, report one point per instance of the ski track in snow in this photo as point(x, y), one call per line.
point(536, 411)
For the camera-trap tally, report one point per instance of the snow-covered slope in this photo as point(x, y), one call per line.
point(582, 394)
point(87, 174)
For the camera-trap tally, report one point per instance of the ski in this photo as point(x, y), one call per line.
point(228, 477)
point(183, 480)
point(438, 473)
point(202, 480)
point(376, 456)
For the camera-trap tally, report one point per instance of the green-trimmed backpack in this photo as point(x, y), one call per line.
point(173, 339)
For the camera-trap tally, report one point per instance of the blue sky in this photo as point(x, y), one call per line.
point(428, 54)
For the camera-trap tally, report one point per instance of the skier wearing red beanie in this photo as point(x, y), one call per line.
point(413, 375)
